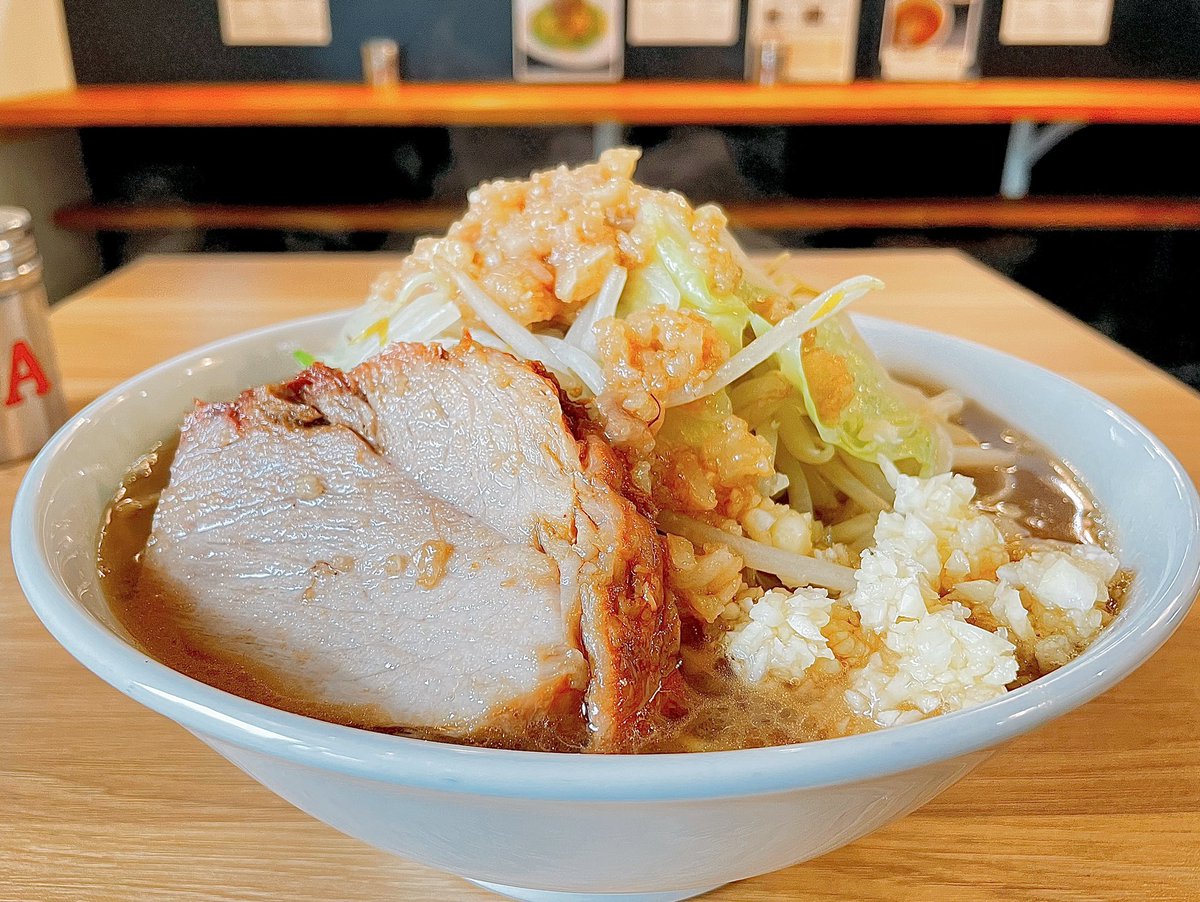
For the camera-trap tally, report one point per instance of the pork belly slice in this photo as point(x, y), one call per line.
point(289, 543)
point(555, 581)
point(493, 436)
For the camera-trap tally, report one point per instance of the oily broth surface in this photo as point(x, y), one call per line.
point(154, 615)
point(706, 709)
point(1040, 493)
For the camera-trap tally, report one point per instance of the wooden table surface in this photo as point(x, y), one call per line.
point(103, 799)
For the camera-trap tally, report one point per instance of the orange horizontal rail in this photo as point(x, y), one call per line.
point(1028, 213)
point(632, 102)
point(323, 218)
point(975, 212)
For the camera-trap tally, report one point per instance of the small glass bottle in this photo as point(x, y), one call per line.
point(771, 63)
point(32, 405)
point(380, 62)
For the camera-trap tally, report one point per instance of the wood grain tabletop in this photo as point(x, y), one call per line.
point(102, 799)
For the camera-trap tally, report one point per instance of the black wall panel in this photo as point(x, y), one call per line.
point(128, 41)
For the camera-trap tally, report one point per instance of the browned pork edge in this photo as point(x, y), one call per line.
point(629, 627)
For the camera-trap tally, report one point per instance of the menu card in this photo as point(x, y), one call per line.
point(930, 40)
point(1056, 22)
point(568, 40)
point(274, 23)
point(818, 39)
point(683, 23)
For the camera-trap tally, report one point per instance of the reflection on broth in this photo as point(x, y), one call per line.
point(1042, 494)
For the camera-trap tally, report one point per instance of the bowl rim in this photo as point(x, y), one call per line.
point(445, 767)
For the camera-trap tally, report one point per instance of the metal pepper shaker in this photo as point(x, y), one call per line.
point(31, 393)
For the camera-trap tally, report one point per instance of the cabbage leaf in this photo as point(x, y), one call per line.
point(856, 404)
point(673, 276)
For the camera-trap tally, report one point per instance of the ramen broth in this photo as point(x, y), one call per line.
point(705, 708)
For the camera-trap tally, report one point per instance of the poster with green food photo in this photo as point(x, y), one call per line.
point(568, 40)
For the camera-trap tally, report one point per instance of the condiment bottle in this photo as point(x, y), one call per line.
point(380, 62)
point(33, 406)
point(772, 51)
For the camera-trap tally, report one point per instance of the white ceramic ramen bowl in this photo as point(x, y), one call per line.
point(536, 826)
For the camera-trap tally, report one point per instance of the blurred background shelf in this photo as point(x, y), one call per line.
point(632, 102)
point(132, 126)
point(985, 212)
point(219, 164)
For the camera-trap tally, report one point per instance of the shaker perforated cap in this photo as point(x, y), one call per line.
point(18, 251)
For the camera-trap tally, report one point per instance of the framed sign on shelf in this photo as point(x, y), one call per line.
point(568, 40)
point(1055, 23)
point(814, 40)
point(683, 23)
point(930, 40)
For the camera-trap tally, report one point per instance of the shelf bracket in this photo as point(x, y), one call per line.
point(1028, 143)
point(606, 135)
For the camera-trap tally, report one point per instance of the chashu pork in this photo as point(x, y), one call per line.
point(434, 540)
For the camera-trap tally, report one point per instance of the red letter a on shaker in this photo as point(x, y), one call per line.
point(24, 368)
